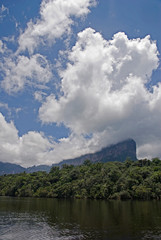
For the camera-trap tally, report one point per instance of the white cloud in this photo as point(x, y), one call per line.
point(3, 11)
point(34, 148)
point(8, 133)
point(4, 105)
point(39, 95)
point(55, 20)
point(21, 70)
point(2, 47)
point(104, 93)
point(8, 140)
point(26, 150)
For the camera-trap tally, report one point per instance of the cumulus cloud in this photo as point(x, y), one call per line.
point(21, 70)
point(103, 99)
point(8, 139)
point(34, 147)
point(55, 20)
point(104, 92)
point(24, 150)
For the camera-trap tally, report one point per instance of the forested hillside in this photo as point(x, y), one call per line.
point(112, 180)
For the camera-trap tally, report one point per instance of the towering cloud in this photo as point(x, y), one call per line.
point(104, 92)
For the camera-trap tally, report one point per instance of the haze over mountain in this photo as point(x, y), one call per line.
point(117, 152)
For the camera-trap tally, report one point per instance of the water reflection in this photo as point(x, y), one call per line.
point(52, 219)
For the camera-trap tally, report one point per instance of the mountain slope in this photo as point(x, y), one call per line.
point(9, 168)
point(38, 168)
point(116, 152)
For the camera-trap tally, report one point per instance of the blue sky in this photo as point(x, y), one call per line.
point(77, 76)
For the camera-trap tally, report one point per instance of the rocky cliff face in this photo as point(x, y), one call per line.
point(117, 152)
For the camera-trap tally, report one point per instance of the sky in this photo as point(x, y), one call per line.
point(77, 76)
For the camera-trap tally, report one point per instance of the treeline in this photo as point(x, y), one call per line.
point(112, 180)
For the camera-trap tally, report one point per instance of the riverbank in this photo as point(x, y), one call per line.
point(112, 180)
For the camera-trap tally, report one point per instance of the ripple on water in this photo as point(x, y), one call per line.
point(152, 235)
point(27, 227)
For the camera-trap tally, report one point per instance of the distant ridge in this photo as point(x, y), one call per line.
point(116, 152)
point(10, 168)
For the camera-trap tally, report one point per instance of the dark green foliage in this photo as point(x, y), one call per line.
point(112, 180)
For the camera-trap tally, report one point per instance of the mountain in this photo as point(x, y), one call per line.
point(116, 152)
point(9, 168)
point(38, 168)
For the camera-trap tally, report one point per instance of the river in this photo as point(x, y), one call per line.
point(55, 219)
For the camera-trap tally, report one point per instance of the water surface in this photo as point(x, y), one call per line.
point(54, 219)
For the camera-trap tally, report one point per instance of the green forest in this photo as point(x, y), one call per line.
point(112, 180)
